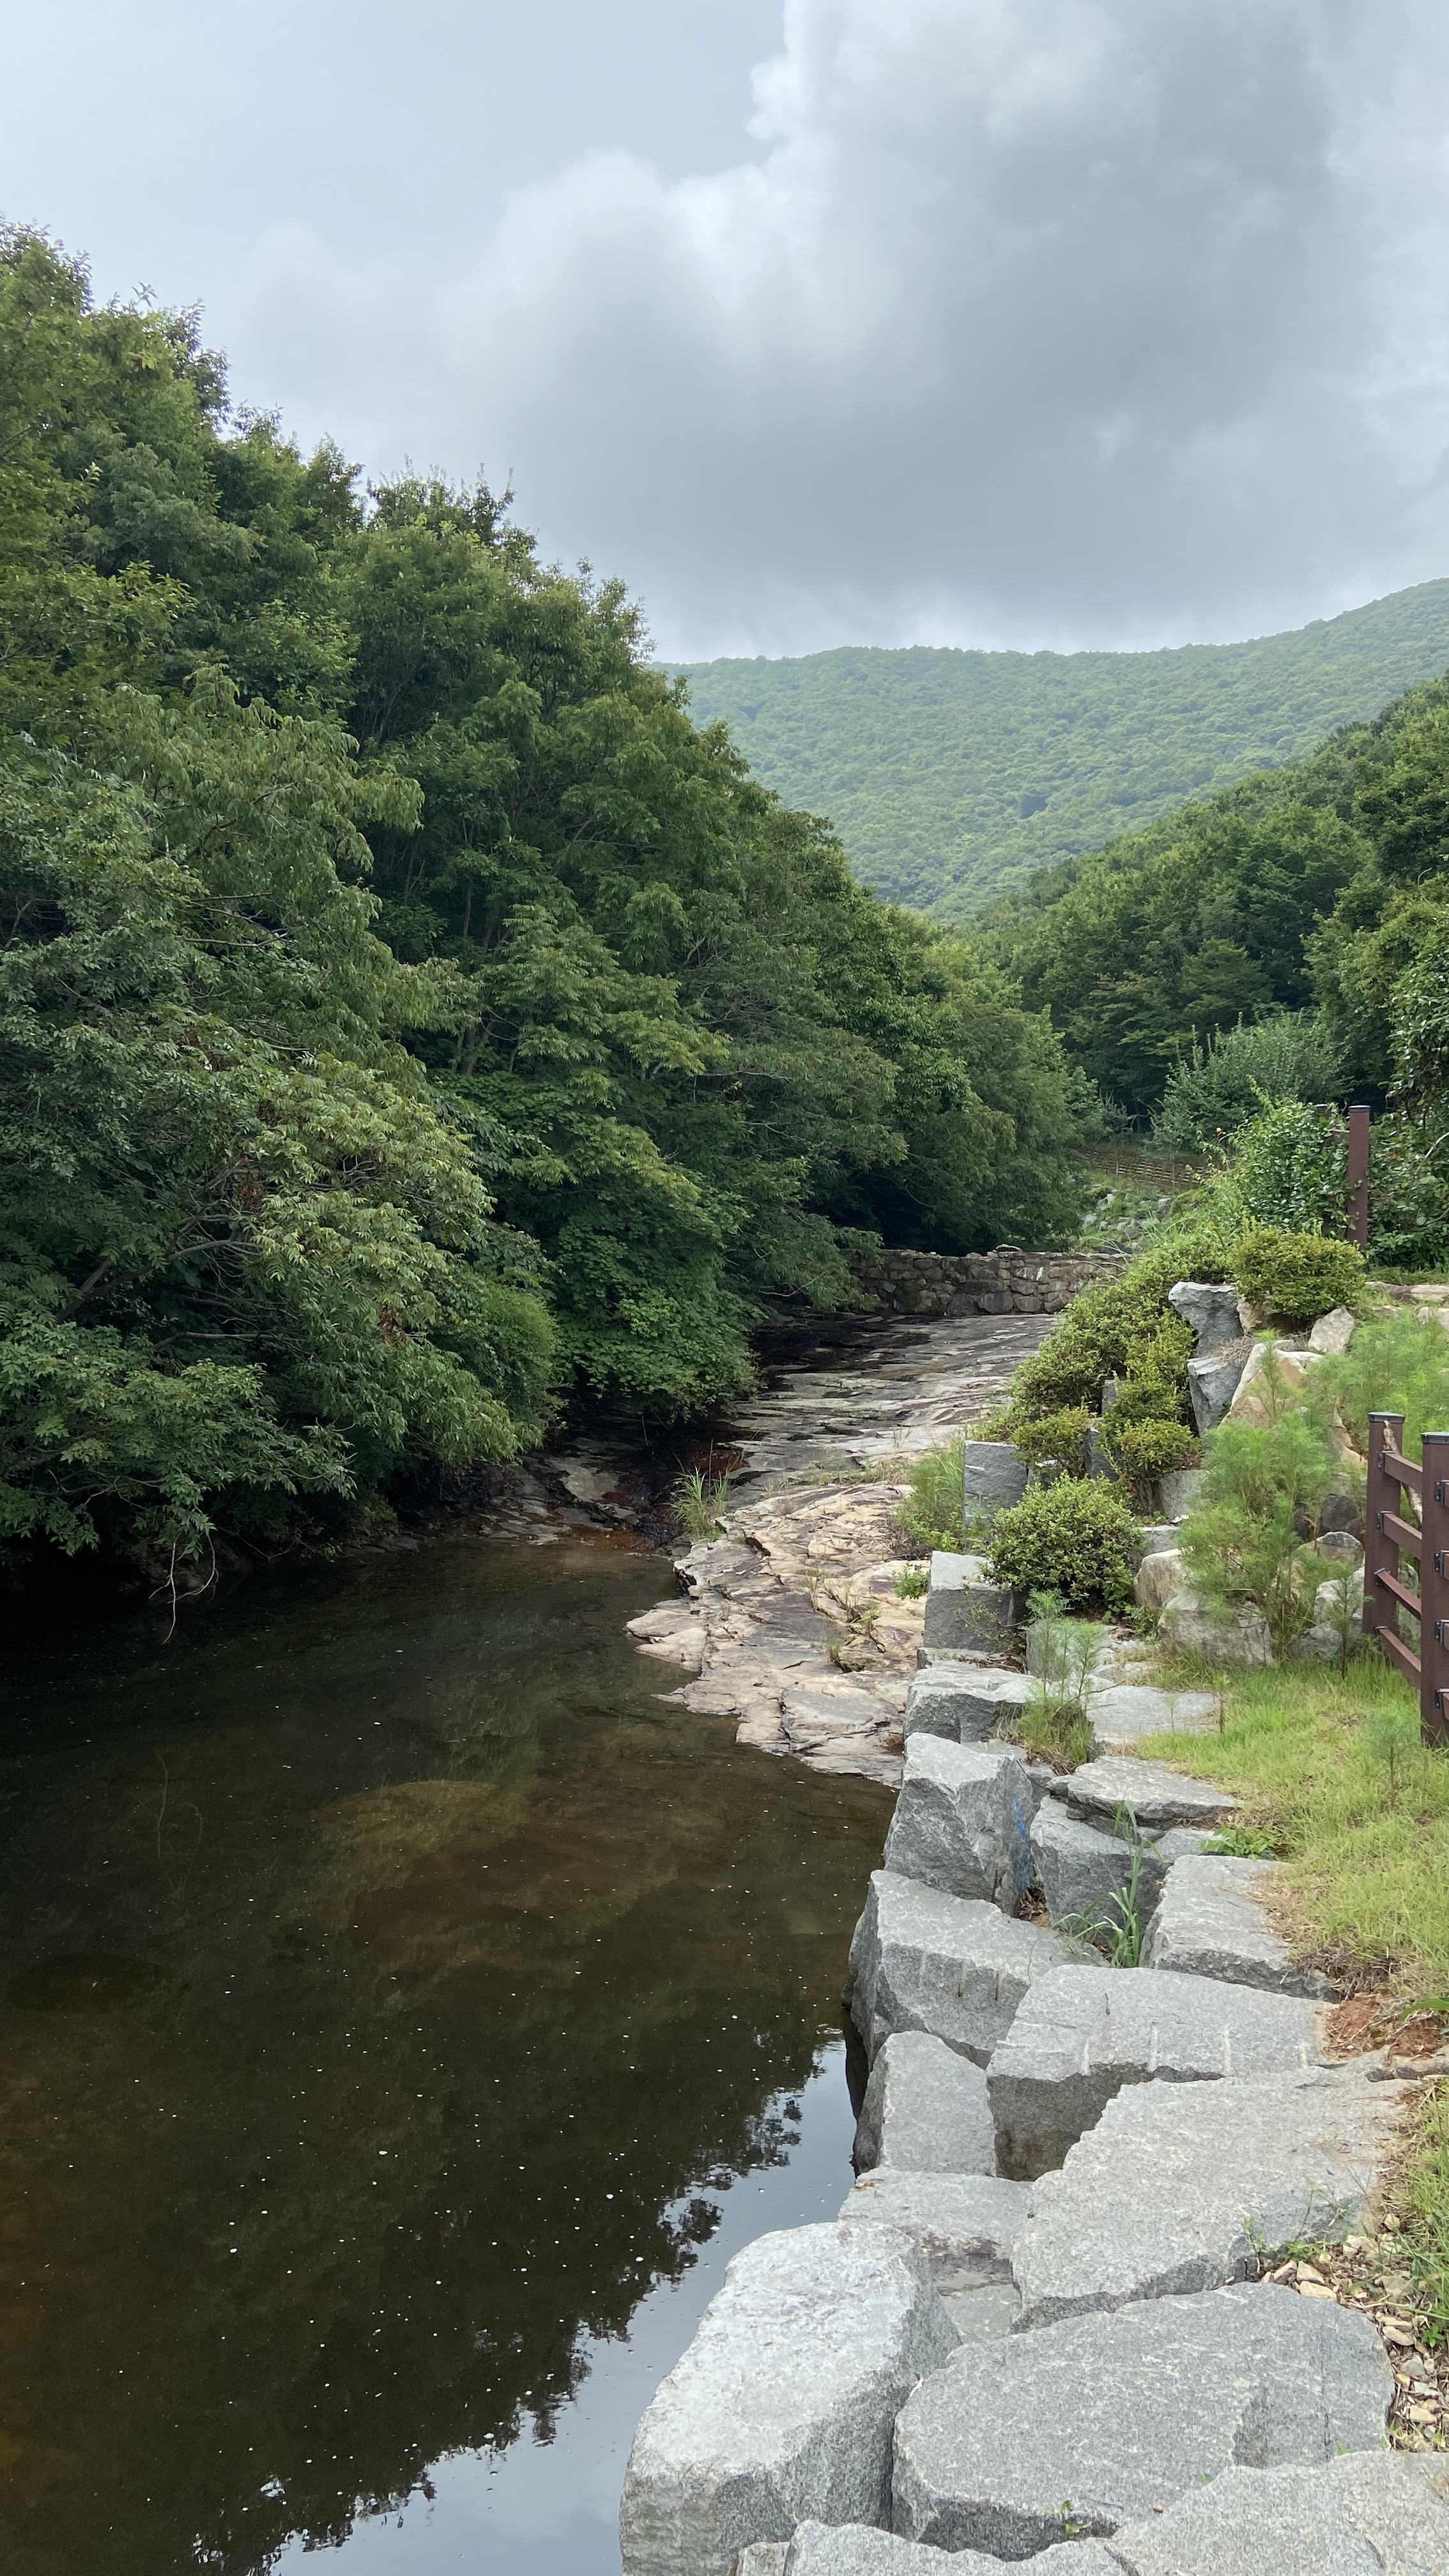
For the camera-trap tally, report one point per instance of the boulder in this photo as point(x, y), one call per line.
point(926, 2110)
point(1178, 1842)
point(966, 1614)
point(1180, 1488)
point(950, 1965)
point(1080, 1869)
point(964, 1702)
point(993, 1474)
point(1340, 1548)
point(961, 1820)
point(1372, 2513)
point(850, 2549)
point(1211, 1310)
point(1212, 1384)
point(1221, 1636)
point(1210, 1923)
point(1083, 2426)
point(783, 2404)
point(1272, 1380)
point(1333, 1332)
point(1180, 2186)
point(1158, 1577)
point(1081, 2033)
point(1152, 1792)
point(966, 2225)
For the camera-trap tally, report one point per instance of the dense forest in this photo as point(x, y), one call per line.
point(408, 1014)
point(952, 776)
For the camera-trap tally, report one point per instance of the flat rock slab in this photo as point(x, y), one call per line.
point(1158, 1796)
point(966, 2225)
point(1104, 2417)
point(1124, 1712)
point(1375, 2513)
point(921, 1960)
point(963, 1701)
point(1179, 2187)
point(851, 2550)
point(1209, 1923)
point(1080, 2034)
point(783, 2404)
point(1082, 1871)
point(926, 2110)
point(962, 1819)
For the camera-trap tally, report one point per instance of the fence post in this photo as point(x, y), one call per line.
point(1434, 1591)
point(1358, 1171)
point(1380, 1555)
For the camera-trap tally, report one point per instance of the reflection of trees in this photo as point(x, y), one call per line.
point(457, 2011)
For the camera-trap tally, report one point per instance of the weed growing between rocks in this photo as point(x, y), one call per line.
point(930, 1515)
point(698, 1502)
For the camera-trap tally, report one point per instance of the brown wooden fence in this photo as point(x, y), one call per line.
point(1396, 1488)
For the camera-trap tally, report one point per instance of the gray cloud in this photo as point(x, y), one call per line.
point(1016, 321)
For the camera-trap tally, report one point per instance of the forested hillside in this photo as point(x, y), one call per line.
point(951, 775)
point(408, 1016)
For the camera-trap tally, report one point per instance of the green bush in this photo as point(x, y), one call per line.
point(1396, 1364)
point(930, 1515)
point(1145, 1450)
point(1124, 1329)
point(1073, 1538)
point(1055, 1435)
point(1243, 1541)
point(1290, 1170)
point(1297, 1277)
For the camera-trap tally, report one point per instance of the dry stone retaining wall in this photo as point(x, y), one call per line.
point(1004, 1282)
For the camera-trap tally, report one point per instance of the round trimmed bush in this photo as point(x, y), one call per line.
point(1297, 1277)
point(1147, 1448)
point(1076, 1538)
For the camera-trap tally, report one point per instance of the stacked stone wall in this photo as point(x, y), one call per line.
point(1004, 1282)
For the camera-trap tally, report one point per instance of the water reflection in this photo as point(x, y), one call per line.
point(392, 1986)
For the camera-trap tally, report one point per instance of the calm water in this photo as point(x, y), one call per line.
point(402, 2017)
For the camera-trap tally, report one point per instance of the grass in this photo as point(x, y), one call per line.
point(930, 1516)
point(698, 1502)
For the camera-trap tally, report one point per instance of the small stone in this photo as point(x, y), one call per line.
point(1105, 2417)
point(1333, 1332)
point(962, 1819)
point(1080, 2034)
point(921, 1960)
point(926, 2110)
point(782, 2406)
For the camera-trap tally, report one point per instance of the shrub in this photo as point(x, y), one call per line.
point(1243, 1540)
point(1290, 1170)
point(1123, 1328)
point(1396, 1364)
point(698, 1502)
point(1054, 1726)
point(1075, 1538)
point(1222, 1087)
point(1297, 1277)
point(1144, 1450)
point(930, 1515)
point(1055, 1435)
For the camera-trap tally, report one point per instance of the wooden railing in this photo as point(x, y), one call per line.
point(1395, 1485)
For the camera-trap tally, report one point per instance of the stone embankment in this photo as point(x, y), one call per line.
point(1004, 1282)
point(1063, 2318)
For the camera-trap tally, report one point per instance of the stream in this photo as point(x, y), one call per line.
point(404, 2013)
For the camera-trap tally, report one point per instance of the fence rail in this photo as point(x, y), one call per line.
point(1388, 1537)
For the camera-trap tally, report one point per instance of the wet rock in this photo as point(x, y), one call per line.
point(1081, 1869)
point(1155, 1794)
point(964, 1702)
point(1220, 1636)
point(921, 1960)
point(1212, 1311)
point(961, 1820)
point(1179, 2186)
point(966, 2225)
point(1374, 2513)
point(1102, 2418)
point(1209, 1923)
point(925, 2110)
point(1080, 2034)
point(783, 2404)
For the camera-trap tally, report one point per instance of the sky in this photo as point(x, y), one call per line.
point(1001, 322)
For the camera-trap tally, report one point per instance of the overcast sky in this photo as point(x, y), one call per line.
point(887, 321)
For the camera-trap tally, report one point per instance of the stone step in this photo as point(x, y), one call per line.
point(1081, 1870)
point(1158, 1796)
point(962, 1819)
point(782, 2406)
point(963, 1701)
point(966, 2225)
point(1179, 2187)
point(921, 1960)
point(1124, 1712)
point(1374, 2513)
point(926, 2110)
point(1074, 2430)
point(1079, 2034)
point(1209, 1923)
